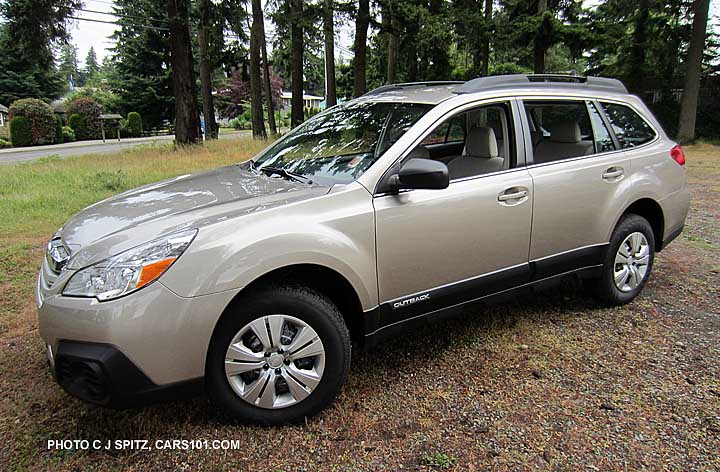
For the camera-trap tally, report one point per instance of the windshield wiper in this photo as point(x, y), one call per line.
point(295, 177)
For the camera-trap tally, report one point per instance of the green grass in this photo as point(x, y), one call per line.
point(36, 198)
point(438, 460)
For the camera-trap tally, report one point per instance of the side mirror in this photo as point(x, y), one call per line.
point(421, 174)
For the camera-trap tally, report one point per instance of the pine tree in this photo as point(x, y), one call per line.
point(688, 106)
point(29, 30)
point(187, 118)
point(206, 66)
point(141, 63)
point(68, 67)
point(297, 114)
point(362, 22)
point(329, 40)
point(256, 35)
point(92, 68)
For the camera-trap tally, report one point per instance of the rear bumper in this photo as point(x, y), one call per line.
point(101, 374)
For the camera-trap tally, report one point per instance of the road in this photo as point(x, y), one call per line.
point(12, 156)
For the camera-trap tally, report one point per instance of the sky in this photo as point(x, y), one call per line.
point(86, 33)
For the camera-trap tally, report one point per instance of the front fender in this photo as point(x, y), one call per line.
point(334, 231)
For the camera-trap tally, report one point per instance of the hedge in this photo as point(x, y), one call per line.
point(41, 120)
point(89, 111)
point(58, 130)
point(21, 131)
point(134, 124)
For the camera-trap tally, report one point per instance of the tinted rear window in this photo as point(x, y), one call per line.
point(630, 128)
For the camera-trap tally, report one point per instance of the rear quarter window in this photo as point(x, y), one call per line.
point(629, 127)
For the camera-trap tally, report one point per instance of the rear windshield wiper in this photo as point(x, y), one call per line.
point(285, 173)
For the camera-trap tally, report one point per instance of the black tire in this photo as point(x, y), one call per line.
point(300, 302)
point(604, 288)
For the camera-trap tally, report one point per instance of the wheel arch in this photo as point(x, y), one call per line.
point(324, 280)
point(651, 210)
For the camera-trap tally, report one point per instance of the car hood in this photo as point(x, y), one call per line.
point(189, 201)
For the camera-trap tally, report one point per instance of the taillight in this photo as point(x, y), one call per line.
point(678, 155)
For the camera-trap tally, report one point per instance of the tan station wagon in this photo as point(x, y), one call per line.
point(411, 203)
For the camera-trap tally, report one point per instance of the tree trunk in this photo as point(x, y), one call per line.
point(187, 119)
point(636, 75)
point(485, 69)
point(266, 80)
point(540, 46)
point(329, 36)
point(211, 127)
point(297, 114)
point(688, 105)
point(360, 48)
point(256, 107)
point(391, 26)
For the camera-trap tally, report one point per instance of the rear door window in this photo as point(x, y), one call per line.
point(603, 141)
point(630, 128)
point(562, 130)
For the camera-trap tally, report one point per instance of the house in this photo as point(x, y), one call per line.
point(309, 101)
point(3, 115)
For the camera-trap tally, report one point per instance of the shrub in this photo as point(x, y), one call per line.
point(4, 143)
point(134, 124)
point(58, 130)
point(124, 130)
point(88, 126)
point(21, 131)
point(68, 135)
point(41, 119)
point(5, 132)
point(75, 122)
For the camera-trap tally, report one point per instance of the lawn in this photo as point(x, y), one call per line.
point(550, 381)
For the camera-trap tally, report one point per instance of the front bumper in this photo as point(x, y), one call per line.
point(101, 374)
point(161, 337)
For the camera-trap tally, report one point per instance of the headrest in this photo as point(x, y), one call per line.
point(481, 142)
point(420, 152)
point(566, 132)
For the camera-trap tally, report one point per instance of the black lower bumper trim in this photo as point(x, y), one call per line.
point(674, 234)
point(101, 374)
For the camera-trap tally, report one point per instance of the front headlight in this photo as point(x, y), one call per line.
point(130, 270)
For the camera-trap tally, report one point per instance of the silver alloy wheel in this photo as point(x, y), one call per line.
point(631, 262)
point(275, 361)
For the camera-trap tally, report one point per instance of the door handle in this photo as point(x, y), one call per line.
point(512, 194)
point(613, 174)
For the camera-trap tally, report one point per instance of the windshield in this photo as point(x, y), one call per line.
point(338, 146)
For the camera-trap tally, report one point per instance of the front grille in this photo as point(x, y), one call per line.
point(83, 379)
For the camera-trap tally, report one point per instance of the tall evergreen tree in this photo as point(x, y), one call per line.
point(206, 66)
point(187, 119)
point(256, 106)
point(68, 67)
point(329, 40)
point(267, 80)
point(29, 30)
point(688, 106)
point(297, 113)
point(91, 67)
point(141, 63)
point(362, 22)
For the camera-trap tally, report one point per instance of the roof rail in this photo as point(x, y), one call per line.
point(386, 88)
point(482, 84)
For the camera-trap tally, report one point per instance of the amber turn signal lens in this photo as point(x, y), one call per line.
point(152, 271)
